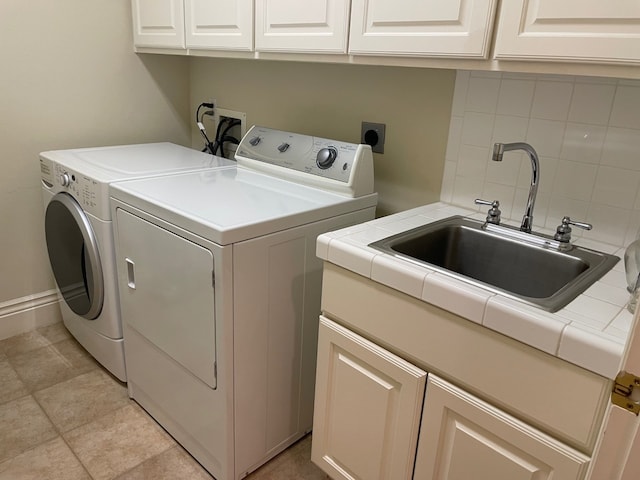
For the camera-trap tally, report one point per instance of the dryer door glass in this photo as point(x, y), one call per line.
point(74, 256)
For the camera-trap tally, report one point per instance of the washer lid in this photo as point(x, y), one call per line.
point(231, 205)
point(122, 162)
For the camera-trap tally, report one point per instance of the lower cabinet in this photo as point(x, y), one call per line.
point(367, 408)
point(462, 438)
point(374, 419)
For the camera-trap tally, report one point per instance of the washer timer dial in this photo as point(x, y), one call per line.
point(65, 179)
point(326, 157)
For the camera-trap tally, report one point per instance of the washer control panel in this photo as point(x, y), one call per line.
point(332, 160)
point(85, 190)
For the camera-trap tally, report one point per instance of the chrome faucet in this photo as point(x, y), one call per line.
point(498, 151)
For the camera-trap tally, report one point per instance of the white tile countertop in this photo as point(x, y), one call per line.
point(590, 332)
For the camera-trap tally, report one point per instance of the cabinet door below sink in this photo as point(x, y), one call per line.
point(367, 408)
point(462, 437)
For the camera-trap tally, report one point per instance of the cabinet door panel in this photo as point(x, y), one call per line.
point(158, 23)
point(319, 26)
point(367, 408)
point(219, 25)
point(571, 30)
point(456, 28)
point(462, 437)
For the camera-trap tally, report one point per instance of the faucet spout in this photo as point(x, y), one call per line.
point(498, 151)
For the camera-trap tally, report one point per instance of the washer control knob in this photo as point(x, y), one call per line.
point(326, 157)
point(65, 179)
point(255, 141)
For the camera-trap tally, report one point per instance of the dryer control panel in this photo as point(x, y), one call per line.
point(343, 167)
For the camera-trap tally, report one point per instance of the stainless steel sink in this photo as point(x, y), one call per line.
point(533, 268)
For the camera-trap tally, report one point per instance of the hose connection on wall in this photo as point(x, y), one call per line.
point(230, 126)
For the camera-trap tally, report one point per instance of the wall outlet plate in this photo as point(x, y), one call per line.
point(220, 114)
point(373, 134)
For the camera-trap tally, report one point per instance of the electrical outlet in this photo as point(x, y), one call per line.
point(238, 131)
point(211, 111)
point(373, 134)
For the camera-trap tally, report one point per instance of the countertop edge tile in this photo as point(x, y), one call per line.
point(447, 293)
point(591, 349)
point(535, 328)
point(322, 246)
point(407, 278)
point(351, 257)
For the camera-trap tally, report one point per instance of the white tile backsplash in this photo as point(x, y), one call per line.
point(546, 136)
point(551, 100)
point(621, 148)
point(472, 161)
point(482, 95)
point(515, 97)
point(583, 143)
point(460, 93)
point(626, 108)
point(586, 132)
point(575, 180)
point(591, 103)
point(477, 129)
point(616, 187)
point(507, 127)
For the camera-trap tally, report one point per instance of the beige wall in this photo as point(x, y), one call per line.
point(69, 78)
point(332, 100)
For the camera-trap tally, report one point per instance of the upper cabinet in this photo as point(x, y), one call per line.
point(319, 26)
point(429, 28)
point(586, 37)
point(570, 30)
point(219, 25)
point(158, 23)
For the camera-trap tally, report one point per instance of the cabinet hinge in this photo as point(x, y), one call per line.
point(626, 392)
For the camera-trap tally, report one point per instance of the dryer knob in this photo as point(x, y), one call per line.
point(326, 157)
point(65, 180)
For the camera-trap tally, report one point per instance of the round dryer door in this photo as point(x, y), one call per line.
point(74, 256)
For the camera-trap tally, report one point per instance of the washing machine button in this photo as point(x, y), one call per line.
point(65, 179)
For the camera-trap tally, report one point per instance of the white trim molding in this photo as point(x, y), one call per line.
point(24, 314)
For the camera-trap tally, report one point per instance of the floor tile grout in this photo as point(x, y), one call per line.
point(57, 405)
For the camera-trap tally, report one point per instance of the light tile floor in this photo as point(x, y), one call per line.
point(62, 416)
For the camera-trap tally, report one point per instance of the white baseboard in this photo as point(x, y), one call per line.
point(24, 314)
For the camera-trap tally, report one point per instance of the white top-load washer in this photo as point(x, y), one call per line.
point(220, 291)
point(79, 232)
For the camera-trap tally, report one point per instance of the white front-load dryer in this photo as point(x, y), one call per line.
point(79, 232)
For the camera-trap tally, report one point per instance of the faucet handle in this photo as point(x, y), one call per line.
point(493, 215)
point(563, 232)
